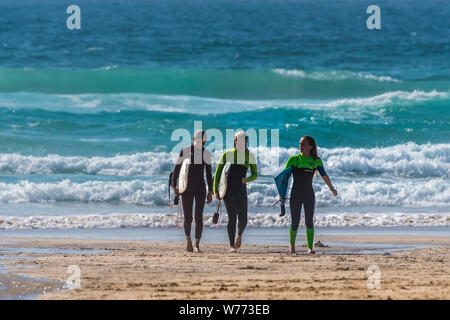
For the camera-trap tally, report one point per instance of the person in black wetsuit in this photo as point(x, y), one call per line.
point(196, 188)
point(235, 198)
point(304, 166)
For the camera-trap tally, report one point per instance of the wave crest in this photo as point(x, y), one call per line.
point(332, 75)
point(403, 160)
point(256, 220)
point(352, 193)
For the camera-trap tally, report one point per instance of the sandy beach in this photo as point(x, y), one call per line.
point(163, 270)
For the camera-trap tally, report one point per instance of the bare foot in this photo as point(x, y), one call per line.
point(292, 250)
point(238, 242)
point(189, 247)
point(232, 249)
point(311, 251)
point(197, 245)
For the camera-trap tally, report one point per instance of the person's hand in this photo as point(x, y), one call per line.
point(334, 192)
point(244, 180)
point(217, 196)
point(209, 197)
point(175, 190)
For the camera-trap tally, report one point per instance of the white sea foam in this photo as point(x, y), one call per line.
point(93, 103)
point(366, 192)
point(388, 98)
point(108, 67)
point(373, 192)
point(409, 159)
point(130, 192)
point(404, 160)
point(95, 49)
point(121, 165)
point(331, 75)
point(254, 220)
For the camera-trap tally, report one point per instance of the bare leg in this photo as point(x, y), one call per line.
point(189, 247)
point(238, 242)
point(292, 250)
point(197, 245)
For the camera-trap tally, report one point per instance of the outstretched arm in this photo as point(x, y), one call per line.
point(324, 176)
point(328, 182)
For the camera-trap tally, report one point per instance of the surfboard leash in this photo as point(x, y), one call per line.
point(170, 203)
point(282, 206)
point(218, 212)
point(179, 214)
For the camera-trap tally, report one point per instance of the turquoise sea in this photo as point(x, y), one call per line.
point(87, 115)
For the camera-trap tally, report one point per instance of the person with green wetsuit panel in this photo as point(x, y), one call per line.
point(240, 159)
point(304, 167)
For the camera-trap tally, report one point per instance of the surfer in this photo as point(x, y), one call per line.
point(196, 188)
point(240, 159)
point(304, 167)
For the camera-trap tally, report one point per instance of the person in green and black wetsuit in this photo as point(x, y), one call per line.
point(304, 167)
point(235, 198)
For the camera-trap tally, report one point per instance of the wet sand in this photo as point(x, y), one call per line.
point(163, 270)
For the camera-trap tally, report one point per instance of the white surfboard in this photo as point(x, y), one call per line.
point(223, 180)
point(183, 177)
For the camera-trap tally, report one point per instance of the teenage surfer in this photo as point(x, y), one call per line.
point(304, 167)
point(240, 159)
point(196, 188)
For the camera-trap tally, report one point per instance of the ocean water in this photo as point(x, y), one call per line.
point(87, 115)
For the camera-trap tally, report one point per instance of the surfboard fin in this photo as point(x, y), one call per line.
point(217, 213)
point(283, 210)
point(282, 207)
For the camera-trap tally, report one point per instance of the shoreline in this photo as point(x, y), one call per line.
point(252, 235)
point(163, 270)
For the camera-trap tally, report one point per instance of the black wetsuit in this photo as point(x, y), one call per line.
point(196, 187)
point(236, 201)
point(302, 193)
point(236, 196)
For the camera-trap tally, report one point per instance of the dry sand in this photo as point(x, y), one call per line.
point(155, 270)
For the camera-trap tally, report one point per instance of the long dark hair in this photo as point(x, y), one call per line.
point(313, 151)
point(313, 145)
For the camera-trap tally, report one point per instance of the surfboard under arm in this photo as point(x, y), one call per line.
point(282, 182)
point(183, 176)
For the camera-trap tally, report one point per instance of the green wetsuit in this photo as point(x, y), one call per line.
point(236, 196)
point(302, 194)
